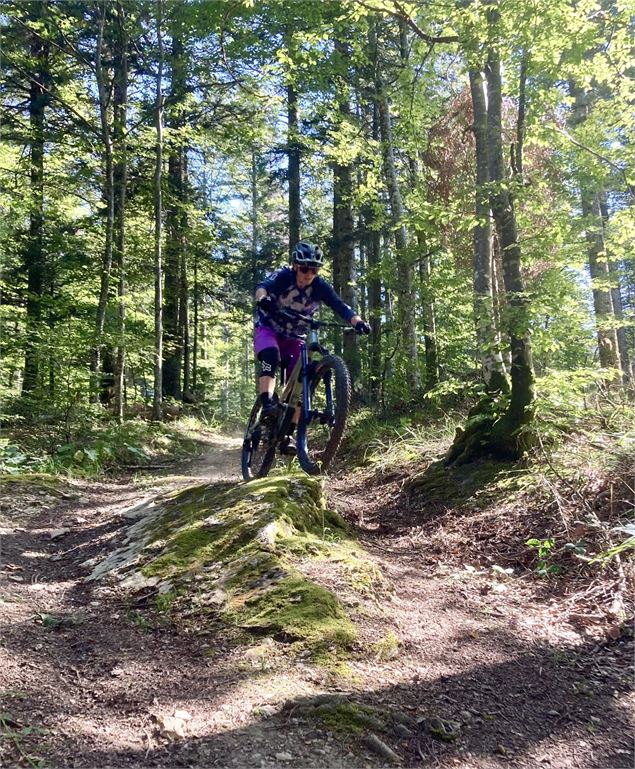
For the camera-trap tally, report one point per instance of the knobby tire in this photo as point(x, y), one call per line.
point(314, 460)
point(256, 465)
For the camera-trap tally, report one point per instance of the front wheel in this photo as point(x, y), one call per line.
point(320, 432)
point(259, 446)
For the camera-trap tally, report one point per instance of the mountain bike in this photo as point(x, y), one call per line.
point(320, 386)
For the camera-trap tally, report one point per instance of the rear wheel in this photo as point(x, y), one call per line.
point(259, 446)
point(320, 432)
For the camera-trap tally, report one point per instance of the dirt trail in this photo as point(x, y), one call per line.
point(478, 672)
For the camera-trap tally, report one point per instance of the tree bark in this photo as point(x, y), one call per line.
point(429, 314)
point(405, 271)
point(176, 225)
point(101, 72)
point(120, 180)
point(293, 151)
point(34, 256)
point(487, 333)
point(600, 281)
point(618, 302)
point(519, 411)
point(157, 405)
point(343, 230)
point(373, 260)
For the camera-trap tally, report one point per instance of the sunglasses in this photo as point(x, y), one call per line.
point(307, 270)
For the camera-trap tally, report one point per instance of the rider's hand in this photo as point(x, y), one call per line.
point(362, 327)
point(266, 303)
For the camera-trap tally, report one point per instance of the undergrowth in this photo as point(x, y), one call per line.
point(91, 446)
point(564, 514)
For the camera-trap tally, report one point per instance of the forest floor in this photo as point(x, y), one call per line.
point(476, 668)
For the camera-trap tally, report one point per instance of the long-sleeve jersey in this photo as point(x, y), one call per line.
point(281, 286)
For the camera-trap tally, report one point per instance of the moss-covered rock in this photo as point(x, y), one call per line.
point(236, 547)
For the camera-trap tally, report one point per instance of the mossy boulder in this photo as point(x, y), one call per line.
point(236, 551)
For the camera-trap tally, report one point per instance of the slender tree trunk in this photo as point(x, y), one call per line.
point(618, 303)
point(600, 281)
point(426, 294)
point(157, 406)
point(195, 329)
point(522, 397)
point(109, 197)
point(373, 259)
point(120, 181)
point(362, 240)
point(34, 256)
point(487, 334)
point(255, 235)
point(343, 235)
point(175, 263)
point(429, 314)
point(405, 292)
point(293, 149)
point(184, 324)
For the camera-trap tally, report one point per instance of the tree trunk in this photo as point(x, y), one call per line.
point(157, 405)
point(520, 409)
point(429, 314)
point(485, 431)
point(176, 222)
point(120, 180)
point(34, 256)
point(255, 234)
point(109, 197)
point(405, 291)
point(293, 150)
point(600, 281)
point(487, 334)
point(184, 320)
point(343, 235)
point(373, 260)
point(618, 303)
point(195, 329)
point(427, 298)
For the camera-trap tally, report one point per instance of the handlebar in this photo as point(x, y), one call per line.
point(292, 314)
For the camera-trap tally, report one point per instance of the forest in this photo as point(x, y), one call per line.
point(468, 169)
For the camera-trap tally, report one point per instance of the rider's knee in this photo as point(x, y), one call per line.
point(269, 361)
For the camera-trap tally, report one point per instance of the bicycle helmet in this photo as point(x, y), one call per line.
point(308, 254)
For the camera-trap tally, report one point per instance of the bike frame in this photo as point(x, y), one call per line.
point(298, 387)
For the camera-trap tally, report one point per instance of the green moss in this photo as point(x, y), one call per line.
point(299, 609)
point(242, 541)
point(43, 481)
point(349, 717)
point(387, 648)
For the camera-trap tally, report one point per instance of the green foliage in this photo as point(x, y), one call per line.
point(96, 446)
point(381, 440)
point(229, 122)
point(544, 551)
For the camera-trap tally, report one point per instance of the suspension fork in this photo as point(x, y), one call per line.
point(306, 393)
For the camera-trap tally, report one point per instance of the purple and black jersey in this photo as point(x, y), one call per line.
point(281, 286)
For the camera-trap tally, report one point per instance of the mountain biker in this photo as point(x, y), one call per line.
point(299, 288)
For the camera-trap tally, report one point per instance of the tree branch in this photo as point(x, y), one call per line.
point(401, 13)
point(595, 153)
point(54, 95)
